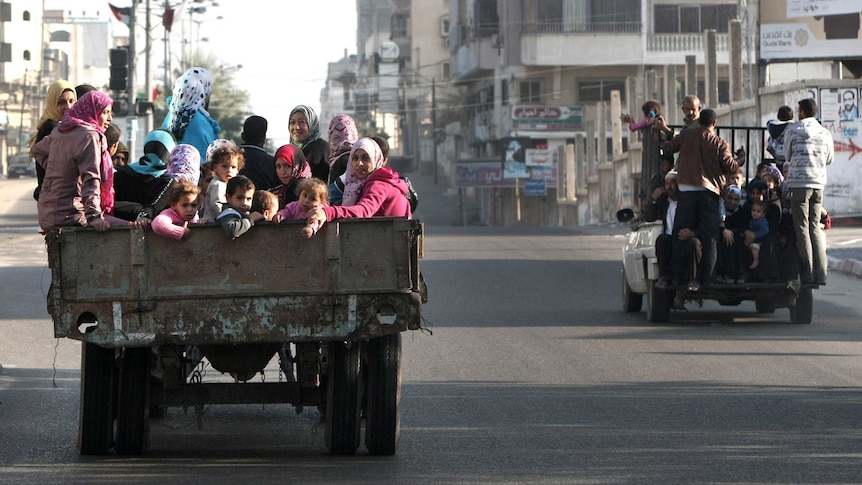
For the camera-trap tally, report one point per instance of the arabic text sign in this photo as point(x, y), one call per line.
point(809, 8)
point(541, 157)
point(481, 174)
point(547, 118)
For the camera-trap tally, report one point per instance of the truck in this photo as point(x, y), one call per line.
point(639, 274)
point(151, 311)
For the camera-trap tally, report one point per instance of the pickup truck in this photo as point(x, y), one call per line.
point(640, 272)
point(152, 312)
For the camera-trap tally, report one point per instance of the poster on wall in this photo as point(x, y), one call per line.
point(810, 29)
point(515, 158)
point(541, 157)
point(839, 104)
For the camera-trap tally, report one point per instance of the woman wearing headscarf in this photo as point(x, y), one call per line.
point(61, 97)
point(140, 185)
point(77, 190)
point(305, 134)
point(188, 119)
point(291, 167)
point(342, 135)
point(370, 189)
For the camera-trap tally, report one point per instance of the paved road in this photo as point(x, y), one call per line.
point(532, 375)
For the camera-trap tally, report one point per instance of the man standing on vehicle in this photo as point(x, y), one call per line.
point(259, 165)
point(808, 150)
point(704, 162)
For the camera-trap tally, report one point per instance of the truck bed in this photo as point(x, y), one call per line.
point(354, 280)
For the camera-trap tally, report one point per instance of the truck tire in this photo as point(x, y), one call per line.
point(632, 302)
point(658, 304)
point(133, 402)
point(801, 312)
point(342, 399)
point(383, 395)
point(96, 418)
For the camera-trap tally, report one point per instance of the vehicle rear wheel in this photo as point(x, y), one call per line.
point(658, 305)
point(133, 403)
point(342, 399)
point(96, 419)
point(632, 302)
point(383, 395)
point(801, 312)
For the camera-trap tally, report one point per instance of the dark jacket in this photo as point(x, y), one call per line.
point(317, 155)
point(704, 159)
point(139, 194)
point(259, 167)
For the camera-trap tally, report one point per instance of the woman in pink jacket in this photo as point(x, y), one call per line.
point(79, 172)
point(370, 189)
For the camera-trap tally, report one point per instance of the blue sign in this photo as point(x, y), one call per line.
point(535, 188)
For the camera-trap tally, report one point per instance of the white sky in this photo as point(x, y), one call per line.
point(284, 47)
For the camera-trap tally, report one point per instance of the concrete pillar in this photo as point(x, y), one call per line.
point(737, 69)
point(671, 101)
point(632, 95)
point(602, 131)
point(651, 85)
point(579, 177)
point(616, 125)
point(711, 68)
point(690, 75)
point(590, 130)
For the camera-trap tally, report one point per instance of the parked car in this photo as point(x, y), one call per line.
point(21, 166)
point(640, 272)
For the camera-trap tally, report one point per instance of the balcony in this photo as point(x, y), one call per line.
point(474, 53)
point(669, 48)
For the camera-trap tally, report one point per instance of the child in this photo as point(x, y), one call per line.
point(266, 203)
point(174, 221)
point(313, 194)
point(776, 129)
point(225, 161)
point(759, 228)
point(651, 110)
point(236, 218)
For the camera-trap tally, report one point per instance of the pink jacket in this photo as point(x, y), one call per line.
point(293, 212)
point(70, 191)
point(169, 224)
point(383, 195)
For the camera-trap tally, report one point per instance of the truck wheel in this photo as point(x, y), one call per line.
point(133, 403)
point(658, 305)
point(764, 305)
point(632, 302)
point(804, 307)
point(383, 395)
point(342, 399)
point(95, 422)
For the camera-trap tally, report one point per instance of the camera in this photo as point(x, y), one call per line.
point(652, 114)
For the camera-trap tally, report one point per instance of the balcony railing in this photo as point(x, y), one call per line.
point(583, 28)
point(683, 42)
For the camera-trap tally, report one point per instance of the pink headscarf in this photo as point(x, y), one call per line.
point(352, 183)
point(85, 114)
point(296, 159)
point(342, 135)
point(184, 163)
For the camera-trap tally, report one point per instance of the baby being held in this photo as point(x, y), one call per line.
point(313, 194)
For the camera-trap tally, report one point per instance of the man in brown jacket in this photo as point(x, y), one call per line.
point(704, 162)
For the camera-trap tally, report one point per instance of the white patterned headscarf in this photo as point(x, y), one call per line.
point(352, 183)
point(191, 93)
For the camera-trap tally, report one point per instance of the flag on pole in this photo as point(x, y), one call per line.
point(173, 15)
point(123, 14)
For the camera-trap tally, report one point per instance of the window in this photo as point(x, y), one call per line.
point(444, 26)
point(673, 19)
point(400, 25)
point(487, 20)
point(614, 11)
point(26, 55)
point(26, 16)
point(447, 68)
point(723, 91)
point(530, 92)
point(599, 90)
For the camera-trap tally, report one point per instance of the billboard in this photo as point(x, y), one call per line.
point(794, 30)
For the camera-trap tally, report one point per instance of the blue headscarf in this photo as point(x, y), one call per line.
point(158, 146)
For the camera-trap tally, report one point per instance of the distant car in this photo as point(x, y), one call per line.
point(20, 166)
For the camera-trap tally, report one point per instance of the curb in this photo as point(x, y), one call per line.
point(851, 267)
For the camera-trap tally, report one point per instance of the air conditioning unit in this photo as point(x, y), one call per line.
point(444, 26)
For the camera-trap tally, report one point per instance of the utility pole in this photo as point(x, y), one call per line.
point(148, 67)
point(131, 117)
point(434, 124)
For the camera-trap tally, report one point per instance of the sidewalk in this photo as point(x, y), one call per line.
point(844, 249)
